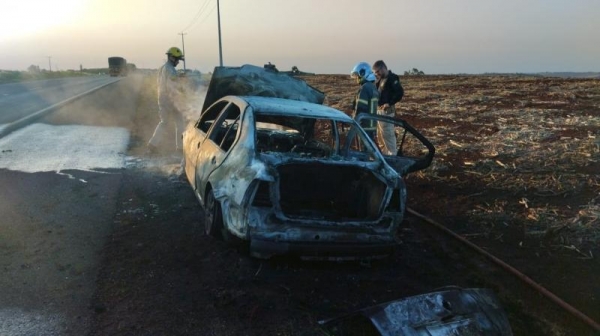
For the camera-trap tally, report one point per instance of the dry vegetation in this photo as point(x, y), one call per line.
point(516, 170)
point(513, 154)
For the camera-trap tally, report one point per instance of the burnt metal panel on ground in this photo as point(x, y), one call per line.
point(456, 311)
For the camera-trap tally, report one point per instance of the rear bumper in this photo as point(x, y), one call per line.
point(264, 249)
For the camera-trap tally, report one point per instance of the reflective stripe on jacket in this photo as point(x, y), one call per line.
point(367, 99)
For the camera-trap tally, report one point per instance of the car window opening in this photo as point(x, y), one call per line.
point(225, 130)
point(208, 117)
point(311, 138)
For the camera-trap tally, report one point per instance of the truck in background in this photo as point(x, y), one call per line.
point(117, 66)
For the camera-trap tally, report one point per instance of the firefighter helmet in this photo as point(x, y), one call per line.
point(175, 52)
point(362, 72)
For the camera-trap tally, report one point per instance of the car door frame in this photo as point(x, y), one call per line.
point(402, 164)
point(194, 137)
point(211, 152)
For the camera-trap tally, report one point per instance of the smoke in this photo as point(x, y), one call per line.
point(90, 133)
point(191, 98)
point(111, 106)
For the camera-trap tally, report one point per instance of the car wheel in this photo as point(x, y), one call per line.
point(213, 217)
point(213, 224)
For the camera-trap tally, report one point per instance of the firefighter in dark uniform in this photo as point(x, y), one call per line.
point(366, 97)
point(390, 92)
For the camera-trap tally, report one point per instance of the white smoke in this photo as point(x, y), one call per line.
point(191, 95)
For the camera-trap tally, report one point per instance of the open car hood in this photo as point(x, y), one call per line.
point(251, 80)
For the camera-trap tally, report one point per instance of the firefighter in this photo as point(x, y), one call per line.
point(167, 110)
point(367, 97)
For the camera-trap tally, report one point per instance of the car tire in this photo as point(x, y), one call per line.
point(213, 224)
point(213, 217)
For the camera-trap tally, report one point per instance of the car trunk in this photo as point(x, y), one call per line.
point(329, 192)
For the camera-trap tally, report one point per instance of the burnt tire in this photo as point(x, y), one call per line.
point(213, 217)
point(213, 224)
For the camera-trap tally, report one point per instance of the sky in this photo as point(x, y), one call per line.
point(321, 36)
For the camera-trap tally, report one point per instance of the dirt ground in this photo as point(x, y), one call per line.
point(516, 171)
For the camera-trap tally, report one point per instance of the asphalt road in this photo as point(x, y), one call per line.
point(18, 100)
point(60, 178)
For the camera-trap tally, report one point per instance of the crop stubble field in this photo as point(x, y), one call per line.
point(520, 152)
point(517, 169)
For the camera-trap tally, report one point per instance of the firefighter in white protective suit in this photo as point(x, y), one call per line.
point(167, 110)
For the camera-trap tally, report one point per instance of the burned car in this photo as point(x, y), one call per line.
point(274, 168)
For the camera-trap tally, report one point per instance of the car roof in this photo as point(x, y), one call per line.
point(291, 107)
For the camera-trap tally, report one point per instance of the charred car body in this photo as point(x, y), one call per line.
point(273, 167)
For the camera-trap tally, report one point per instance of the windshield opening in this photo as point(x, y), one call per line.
point(320, 138)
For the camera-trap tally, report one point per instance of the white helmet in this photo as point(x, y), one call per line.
point(362, 72)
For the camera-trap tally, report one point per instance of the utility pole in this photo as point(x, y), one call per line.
point(183, 47)
point(219, 23)
point(50, 63)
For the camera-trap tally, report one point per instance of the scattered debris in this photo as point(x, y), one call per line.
point(450, 312)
